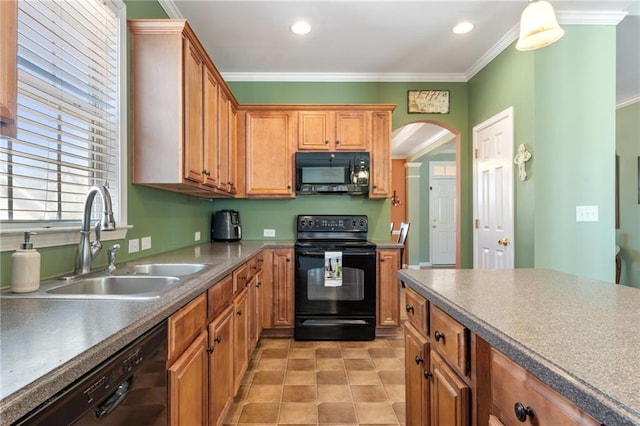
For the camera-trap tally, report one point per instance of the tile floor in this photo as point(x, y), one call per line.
point(322, 383)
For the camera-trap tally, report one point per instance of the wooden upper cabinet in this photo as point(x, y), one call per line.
point(334, 130)
point(268, 137)
point(380, 155)
point(176, 110)
point(8, 67)
point(210, 110)
point(193, 113)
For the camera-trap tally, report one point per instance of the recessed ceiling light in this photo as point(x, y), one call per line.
point(301, 28)
point(463, 28)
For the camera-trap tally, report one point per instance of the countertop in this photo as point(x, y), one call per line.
point(46, 344)
point(577, 335)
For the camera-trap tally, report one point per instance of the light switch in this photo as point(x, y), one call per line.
point(146, 243)
point(586, 213)
point(134, 245)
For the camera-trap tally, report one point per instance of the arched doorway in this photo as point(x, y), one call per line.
point(416, 147)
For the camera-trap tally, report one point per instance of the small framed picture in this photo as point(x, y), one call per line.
point(428, 101)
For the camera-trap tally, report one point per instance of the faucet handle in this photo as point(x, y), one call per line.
point(111, 254)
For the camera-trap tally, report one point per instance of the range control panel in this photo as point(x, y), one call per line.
point(332, 223)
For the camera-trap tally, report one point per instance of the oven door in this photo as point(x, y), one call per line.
point(355, 293)
point(326, 311)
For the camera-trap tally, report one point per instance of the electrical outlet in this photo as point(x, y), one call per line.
point(134, 245)
point(197, 236)
point(146, 243)
point(586, 213)
point(269, 233)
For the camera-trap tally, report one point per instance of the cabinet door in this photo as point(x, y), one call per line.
point(315, 130)
point(259, 304)
point(220, 366)
point(269, 162)
point(188, 383)
point(416, 352)
point(233, 150)
point(283, 287)
point(240, 338)
point(353, 131)
point(381, 155)
point(210, 129)
point(388, 288)
point(252, 336)
point(193, 113)
point(8, 66)
point(449, 395)
point(223, 140)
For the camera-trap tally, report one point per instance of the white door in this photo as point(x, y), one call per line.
point(442, 212)
point(493, 192)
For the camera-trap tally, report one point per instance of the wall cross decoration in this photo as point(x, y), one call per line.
point(520, 159)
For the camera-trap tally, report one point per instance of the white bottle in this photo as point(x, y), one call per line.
point(25, 267)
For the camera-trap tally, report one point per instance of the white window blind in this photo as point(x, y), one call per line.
point(68, 133)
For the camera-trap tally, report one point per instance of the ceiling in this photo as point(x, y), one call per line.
point(385, 40)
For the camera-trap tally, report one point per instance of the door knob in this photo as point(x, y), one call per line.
point(504, 242)
point(434, 224)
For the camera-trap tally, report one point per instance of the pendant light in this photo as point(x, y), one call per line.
point(538, 26)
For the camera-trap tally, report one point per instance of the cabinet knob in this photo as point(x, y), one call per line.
point(258, 284)
point(288, 186)
point(326, 142)
point(427, 374)
point(288, 260)
point(210, 349)
point(438, 336)
point(419, 359)
point(217, 339)
point(522, 412)
point(409, 308)
point(239, 312)
point(337, 142)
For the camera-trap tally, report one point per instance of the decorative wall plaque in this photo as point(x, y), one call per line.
point(428, 101)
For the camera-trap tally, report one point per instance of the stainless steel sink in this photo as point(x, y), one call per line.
point(168, 269)
point(114, 286)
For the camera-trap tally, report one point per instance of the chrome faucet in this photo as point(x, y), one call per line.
point(112, 258)
point(87, 250)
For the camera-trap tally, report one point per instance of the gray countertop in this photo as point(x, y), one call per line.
point(577, 335)
point(46, 344)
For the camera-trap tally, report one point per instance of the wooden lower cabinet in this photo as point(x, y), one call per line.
point(388, 288)
point(188, 385)
point(220, 361)
point(240, 337)
point(450, 404)
point(283, 288)
point(416, 352)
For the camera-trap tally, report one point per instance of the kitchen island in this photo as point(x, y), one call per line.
point(577, 336)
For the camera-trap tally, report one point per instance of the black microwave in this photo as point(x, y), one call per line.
point(332, 173)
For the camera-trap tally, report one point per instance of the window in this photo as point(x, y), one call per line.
point(70, 117)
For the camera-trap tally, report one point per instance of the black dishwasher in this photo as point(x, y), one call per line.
point(130, 388)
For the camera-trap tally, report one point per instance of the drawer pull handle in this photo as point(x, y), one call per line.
point(409, 308)
point(427, 374)
point(419, 359)
point(522, 413)
point(438, 336)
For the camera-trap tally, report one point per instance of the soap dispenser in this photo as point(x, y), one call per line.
point(25, 267)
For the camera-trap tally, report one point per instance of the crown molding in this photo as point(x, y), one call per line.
point(629, 101)
point(494, 51)
point(345, 77)
point(590, 17)
point(171, 9)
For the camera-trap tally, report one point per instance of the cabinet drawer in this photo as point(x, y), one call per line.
point(417, 309)
point(512, 385)
point(219, 296)
point(450, 339)
point(240, 278)
point(186, 324)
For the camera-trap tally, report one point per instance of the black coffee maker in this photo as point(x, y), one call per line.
point(225, 226)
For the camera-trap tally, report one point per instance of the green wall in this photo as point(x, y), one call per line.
point(628, 150)
point(508, 81)
point(574, 91)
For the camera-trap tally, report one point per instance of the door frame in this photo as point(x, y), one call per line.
point(505, 114)
point(431, 181)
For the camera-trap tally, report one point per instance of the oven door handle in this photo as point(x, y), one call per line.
point(344, 253)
